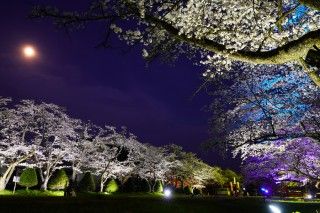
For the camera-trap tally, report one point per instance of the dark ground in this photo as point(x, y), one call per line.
point(127, 204)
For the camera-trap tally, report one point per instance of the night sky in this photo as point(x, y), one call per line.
point(107, 86)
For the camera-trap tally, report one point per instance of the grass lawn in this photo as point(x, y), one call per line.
point(31, 193)
point(128, 203)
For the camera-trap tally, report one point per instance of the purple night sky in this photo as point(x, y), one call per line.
point(103, 85)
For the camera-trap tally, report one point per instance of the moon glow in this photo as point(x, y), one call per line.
point(29, 51)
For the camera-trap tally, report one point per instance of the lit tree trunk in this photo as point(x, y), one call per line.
point(6, 176)
point(44, 185)
point(50, 168)
point(182, 184)
point(154, 181)
point(8, 173)
point(104, 175)
point(74, 175)
point(103, 179)
point(73, 181)
point(101, 185)
point(2, 184)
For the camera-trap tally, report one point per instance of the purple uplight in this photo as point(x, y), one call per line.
point(264, 190)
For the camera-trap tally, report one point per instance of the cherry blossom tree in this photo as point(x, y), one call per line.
point(154, 164)
point(109, 156)
point(81, 147)
point(290, 160)
point(51, 134)
point(225, 33)
point(190, 169)
point(277, 106)
point(14, 148)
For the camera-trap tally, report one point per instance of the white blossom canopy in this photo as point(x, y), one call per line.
point(224, 32)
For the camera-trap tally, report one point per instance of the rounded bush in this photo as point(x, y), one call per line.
point(158, 187)
point(178, 190)
point(196, 191)
point(112, 186)
point(28, 178)
point(130, 185)
point(87, 183)
point(59, 181)
point(144, 185)
point(188, 190)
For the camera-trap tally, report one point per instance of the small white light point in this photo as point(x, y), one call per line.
point(167, 193)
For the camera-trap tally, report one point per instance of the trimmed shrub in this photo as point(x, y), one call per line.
point(112, 186)
point(178, 190)
point(87, 183)
point(196, 191)
point(130, 185)
point(28, 178)
point(188, 190)
point(144, 185)
point(59, 181)
point(158, 187)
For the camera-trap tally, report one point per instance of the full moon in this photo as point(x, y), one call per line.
point(29, 51)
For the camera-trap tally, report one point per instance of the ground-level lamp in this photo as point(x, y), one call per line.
point(167, 193)
point(308, 196)
point(274, 209)
point(264, 191)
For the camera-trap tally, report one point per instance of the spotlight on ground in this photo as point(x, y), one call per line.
point(308, 196)
point(264, 190)
point(167, 193)
point(274, 209)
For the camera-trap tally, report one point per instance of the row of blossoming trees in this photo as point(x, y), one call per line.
point(264, 73)
point(43, 136)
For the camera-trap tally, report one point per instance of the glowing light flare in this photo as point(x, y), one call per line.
point(274, 209)
point(167, 193)
point(308, 196)
point(264, 190)
point(29, 51)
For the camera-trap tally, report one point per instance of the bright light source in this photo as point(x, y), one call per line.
point(167, 193)
point(274, 209)
point(308, 196)
point(29, 51)
point(264, 190)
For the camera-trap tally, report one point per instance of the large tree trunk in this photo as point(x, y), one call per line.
point(154, 181)
point(47, 174)
point(44, 185)
point(6, 176)
point(75, 167)
point(74, 175)
point(46, 177)
point(103, 180)
point(3, 183)
point(153, 185)
point(101, 185)
point(8, 173)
